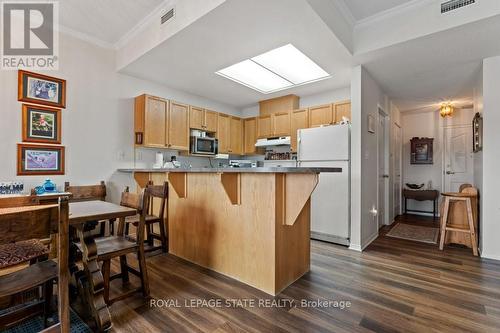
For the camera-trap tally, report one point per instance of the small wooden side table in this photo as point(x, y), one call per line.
point(421, 195)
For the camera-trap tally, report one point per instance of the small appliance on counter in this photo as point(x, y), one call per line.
point(203, 144)
point(172, 164)
point(242, 163)
point(158, 161)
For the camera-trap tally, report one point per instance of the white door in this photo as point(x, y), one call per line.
point(382, 173)
point(396, 187)
point(458, 160)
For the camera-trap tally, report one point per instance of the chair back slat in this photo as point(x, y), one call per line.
point(21, 224)
point(464, 186)
point(24, 200)
point(159, 192)
point(86, 192)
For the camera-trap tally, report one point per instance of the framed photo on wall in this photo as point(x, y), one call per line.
point(35, 160)
point(421, 150)
point(41, 89)
point(41, 124)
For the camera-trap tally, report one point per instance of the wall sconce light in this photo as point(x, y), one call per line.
point(446, 110)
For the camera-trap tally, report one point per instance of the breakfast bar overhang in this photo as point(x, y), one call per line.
point(251, 224)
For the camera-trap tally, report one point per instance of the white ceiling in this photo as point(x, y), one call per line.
point(443, 66)
point(238, 30)
point(104, 20)
point(361, 9)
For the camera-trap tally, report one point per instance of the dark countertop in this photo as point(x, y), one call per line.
point(243, 170)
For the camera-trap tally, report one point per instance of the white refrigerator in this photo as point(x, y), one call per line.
point(328, 146)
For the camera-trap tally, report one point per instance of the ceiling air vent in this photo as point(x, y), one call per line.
point(448, 6)
point(167, 16)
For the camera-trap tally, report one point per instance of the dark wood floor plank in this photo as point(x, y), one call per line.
point(395, 285)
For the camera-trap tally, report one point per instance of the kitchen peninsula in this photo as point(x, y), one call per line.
point(252, 224)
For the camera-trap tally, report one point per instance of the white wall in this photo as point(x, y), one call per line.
point(366, 98)
point(478, 157)
point(97, 125)
point(428, 124)
point(306, 101)
point(491, 159)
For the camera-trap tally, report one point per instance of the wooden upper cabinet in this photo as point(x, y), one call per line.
point(178, 126)
point(223, 132)
point(196, 118)
point(321, 115)
point(278, 104)
point(236, 136)
point(342, 109)
point(281, 123)
point(150, 121)
point(299, 120)
point(210, 121)
point(264, 126)
point(250, 135)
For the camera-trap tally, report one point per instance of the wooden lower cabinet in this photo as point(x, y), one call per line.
point(299, 120)
point(250, 135)
point(236, 136)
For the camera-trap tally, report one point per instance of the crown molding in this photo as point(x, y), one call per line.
point(85, 37)
point(344, 10)
point(398, 10)
point(155, 14)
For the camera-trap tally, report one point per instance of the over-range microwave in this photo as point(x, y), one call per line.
point(204, 145)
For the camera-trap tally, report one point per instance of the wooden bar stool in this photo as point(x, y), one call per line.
point(465, 198)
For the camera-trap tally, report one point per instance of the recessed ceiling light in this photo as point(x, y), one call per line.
point(278, 69)
point(288, 62)
point(254, 76)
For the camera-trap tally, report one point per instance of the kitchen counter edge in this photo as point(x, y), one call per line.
point(242, 170)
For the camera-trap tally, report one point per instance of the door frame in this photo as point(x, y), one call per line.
point(400, 162)
point(443, 151)
point(381, 114)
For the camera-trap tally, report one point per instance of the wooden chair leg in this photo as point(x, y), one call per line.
point(444, 221)
point(127, 229)
point(47, 306)
point(163, 236)
point(470, 219)
point(149, 238)
point(124, 269)
point(144, 273)
point(106, 273)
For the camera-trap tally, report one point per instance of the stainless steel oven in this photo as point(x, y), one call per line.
point(204, 145)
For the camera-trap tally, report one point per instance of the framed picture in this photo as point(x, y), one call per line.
point(371, 123)
point(41, 124)
point(39, 159)
point(477, 133)
point(41, 89)
point(421, 150)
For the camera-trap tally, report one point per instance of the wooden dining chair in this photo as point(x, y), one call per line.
point(89, 193)
point(119, 246)
point(160, 192)
point(30, 250)
point(18, 224)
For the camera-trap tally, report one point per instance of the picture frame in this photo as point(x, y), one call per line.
point(41, 89)
point(35, 159)
point(41, 124)
point(477, 133)
point(371, 123)
point(421, 150)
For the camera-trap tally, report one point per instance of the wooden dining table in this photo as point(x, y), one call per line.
point(88, 282)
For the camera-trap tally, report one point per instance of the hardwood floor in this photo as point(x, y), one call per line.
point(393, 286)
